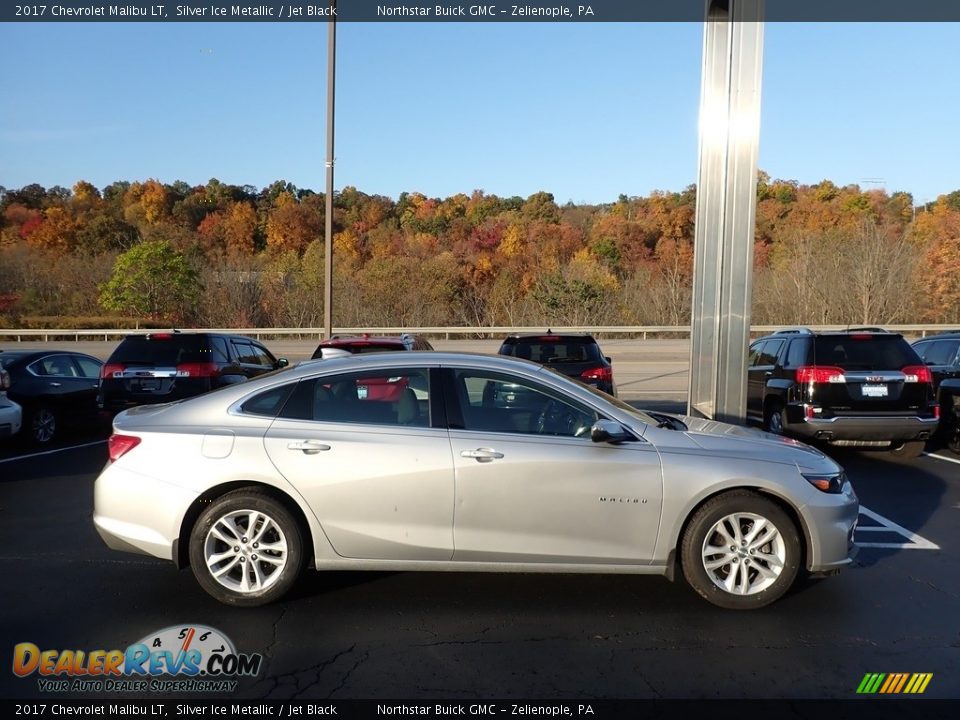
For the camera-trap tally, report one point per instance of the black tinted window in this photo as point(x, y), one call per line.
point(219, 350)
point(753, 358)
point(267, 403)
point(797, 353)
point(162, 351)
point(941, 352)
point(771, 349)
point(557, 349)
point(864, 352)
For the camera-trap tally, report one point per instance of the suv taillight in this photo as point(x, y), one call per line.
point(917, 373)
point(820, 374)
point(109, 369)
point(198, 369)
point(120, 445)
point(603, 374)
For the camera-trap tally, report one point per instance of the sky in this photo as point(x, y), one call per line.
point(586, 111)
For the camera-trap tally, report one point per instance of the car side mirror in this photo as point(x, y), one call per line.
point(609, 431)
point(282, 362)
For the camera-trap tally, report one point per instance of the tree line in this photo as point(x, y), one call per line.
point(220, 255)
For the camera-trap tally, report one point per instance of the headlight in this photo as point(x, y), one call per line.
point(827, 482)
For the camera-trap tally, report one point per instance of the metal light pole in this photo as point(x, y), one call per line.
point(328, 219)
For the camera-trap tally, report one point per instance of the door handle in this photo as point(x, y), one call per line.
point(482, 454)
point(309, 447)
point(54, 384)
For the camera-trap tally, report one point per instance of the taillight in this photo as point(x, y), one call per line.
point(602, 374)
point(820, 374)
point(198, 369)
point(936, 412)
point(917, 373)
point(111, 369)
point(120, 445)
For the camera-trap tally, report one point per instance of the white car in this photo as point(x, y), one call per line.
point(11, 414)
point(499, 465)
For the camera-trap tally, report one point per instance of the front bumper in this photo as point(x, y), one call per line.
point(831, 522)
point(11, 417)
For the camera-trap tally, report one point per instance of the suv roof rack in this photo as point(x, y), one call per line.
point(794, 331)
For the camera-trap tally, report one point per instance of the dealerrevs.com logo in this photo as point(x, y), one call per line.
point(180, 658)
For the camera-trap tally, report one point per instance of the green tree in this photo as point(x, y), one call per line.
point(152, 279)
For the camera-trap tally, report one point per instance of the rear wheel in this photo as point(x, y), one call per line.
point(741, 551)
point(246, 549)
point(773, 417)
point(41, 428)
point(908, 450)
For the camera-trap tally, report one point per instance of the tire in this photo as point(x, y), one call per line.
point(774, 418)
point(908, 450)
point(724, 584)
point(272, 571)
point(41, 426)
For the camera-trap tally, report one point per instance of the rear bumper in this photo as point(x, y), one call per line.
point(866, 428)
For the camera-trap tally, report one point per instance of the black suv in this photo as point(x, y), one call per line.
point(941, 353)
point(860, 387)
point(166, 366)
point(576, 355)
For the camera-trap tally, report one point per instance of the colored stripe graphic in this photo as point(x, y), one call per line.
point(894, 683)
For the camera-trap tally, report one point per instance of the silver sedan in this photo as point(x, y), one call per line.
point(439, 461)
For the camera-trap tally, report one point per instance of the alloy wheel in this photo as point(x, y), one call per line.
point(743, 553)
point(245, 551)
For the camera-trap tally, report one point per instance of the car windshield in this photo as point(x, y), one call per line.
point(616, 402)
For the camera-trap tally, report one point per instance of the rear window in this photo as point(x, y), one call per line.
point(361, 347)
point(864, 352)
point(562, 349)
point(167, 352)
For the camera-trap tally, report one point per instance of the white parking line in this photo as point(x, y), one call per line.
point(51, 452)
point(941, 457)
point(914, 541)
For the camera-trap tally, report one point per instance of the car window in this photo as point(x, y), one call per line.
point(941, 352)
point(89, 368)
point(770, 351)
point(866, 351)
point(269, 402)
point(218, 350)
point(161, 350)
point(496, 402)
point(245, 353)
point(796, 354)
point(373, 397)
point(56, 365)
point(553, 349)
point(755, 350)
point(264, 358)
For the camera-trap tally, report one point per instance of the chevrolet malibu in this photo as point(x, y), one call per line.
point(306, 466)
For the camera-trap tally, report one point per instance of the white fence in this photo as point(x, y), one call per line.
point(45, 335)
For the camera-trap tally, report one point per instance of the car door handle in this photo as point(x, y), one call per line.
point(309, 447)
point(482, 454)
point(54, 384)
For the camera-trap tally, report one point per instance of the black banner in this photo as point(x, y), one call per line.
point(533, 11)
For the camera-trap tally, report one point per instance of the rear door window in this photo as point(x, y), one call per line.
point(771, 349)
point(941, 352)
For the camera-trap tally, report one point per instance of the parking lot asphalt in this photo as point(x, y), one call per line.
point(460, 635)
point(450, 635)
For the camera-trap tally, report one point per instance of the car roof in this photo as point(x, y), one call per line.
point(945, 335)
point(28, 356)
point(549, 333)
point(379, 339)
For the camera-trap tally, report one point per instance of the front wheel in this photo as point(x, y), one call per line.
point(246, 549)
point(741, 551)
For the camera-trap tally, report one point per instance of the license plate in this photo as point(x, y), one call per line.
point(874, 390)
point(362, 392)
point(149, 384)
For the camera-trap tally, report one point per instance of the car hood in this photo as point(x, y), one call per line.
point(736, 440)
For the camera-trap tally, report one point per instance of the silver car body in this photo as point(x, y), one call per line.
point(11, 416)
point(438, 498)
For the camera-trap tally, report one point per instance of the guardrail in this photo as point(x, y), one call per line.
point(45, 335)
